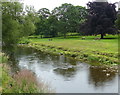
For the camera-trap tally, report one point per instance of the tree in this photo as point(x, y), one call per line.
point(77, 16)
point(101, 19)
point(53, 26)
point(16, 23)
point(29, 21)
point(44, 12)
point(11, 16)
point(63, 19)
point(62, 14)
point(69, 17)
point(118, 20)
point(42, 24)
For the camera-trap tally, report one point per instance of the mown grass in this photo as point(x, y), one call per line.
point(89, 44)
point(103, 50)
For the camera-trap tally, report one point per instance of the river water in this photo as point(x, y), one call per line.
point(65, 75)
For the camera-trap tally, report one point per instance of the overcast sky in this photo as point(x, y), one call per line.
point(51, 4)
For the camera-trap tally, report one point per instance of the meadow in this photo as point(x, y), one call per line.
point(89, 49)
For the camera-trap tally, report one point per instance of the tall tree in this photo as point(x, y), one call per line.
point(11, 17)
point(101, 19)
point(62, 14)
point(69, 17)
point(44, 12)
point(16, 23)
point(42, 24)
point(53, 26)
point(63, 19)
point(29, 21)
point(118, 20)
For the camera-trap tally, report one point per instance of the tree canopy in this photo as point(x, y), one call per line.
point(61, 20)
point(16, 23)
point(118, 20)
point(101, 19)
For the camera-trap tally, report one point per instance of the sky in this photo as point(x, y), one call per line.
point(51, 4)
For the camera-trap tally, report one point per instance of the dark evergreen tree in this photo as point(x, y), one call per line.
point(101, 19)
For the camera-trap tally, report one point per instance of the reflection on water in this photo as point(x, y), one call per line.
point(66, 72)
point(106, 75)
point(66, 75)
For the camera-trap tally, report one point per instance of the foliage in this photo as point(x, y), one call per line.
point(101, 19)
point(61, 20)
point(3, 58)
point(44, 12)
point(11, 28)
point(11, 85)
point(118, 22)
point(16, 23)
point(70, 17)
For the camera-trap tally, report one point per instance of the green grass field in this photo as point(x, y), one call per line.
point(107, 47)
point(87, 45)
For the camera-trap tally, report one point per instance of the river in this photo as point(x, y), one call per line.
point(65, 75)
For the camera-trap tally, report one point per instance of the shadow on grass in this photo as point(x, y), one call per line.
point(68, 37)
point(110, 38)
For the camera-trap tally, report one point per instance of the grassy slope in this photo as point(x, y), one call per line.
point(89, 45)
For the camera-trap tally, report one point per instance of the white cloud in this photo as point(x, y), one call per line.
point(51, 4)
point(119, 4)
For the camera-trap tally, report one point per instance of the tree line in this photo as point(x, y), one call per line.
point(19, 22)
point(61, 20)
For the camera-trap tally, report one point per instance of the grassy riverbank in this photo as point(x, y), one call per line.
point(104, 51)
point(3, 59)
point(21, 82)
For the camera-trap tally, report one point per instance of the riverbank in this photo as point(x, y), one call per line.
point(103, 51)
point(23, 81)
point(3, 59)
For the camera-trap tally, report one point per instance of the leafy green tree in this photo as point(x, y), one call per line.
point(39, 26)
point(101, 19)
point(11, 16)
point(29, 21)
point(63, 19)
point(16, 23)
point(118, 20)
point(42, 24)
point(62, 14)
point(76, 16)
point(70, 17)
point(44, 12)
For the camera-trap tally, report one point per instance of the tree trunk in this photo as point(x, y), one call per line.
point(65, 35)
point(102, 36)
point(41, 36)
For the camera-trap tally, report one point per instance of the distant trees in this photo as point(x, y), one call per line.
point(118, 20)
point(70, 17)
point(101, 19)
point(16, 23)
point(47, 24)
point(53, 26)
point(42, 24)
point(61, 20)
point(29, 21)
